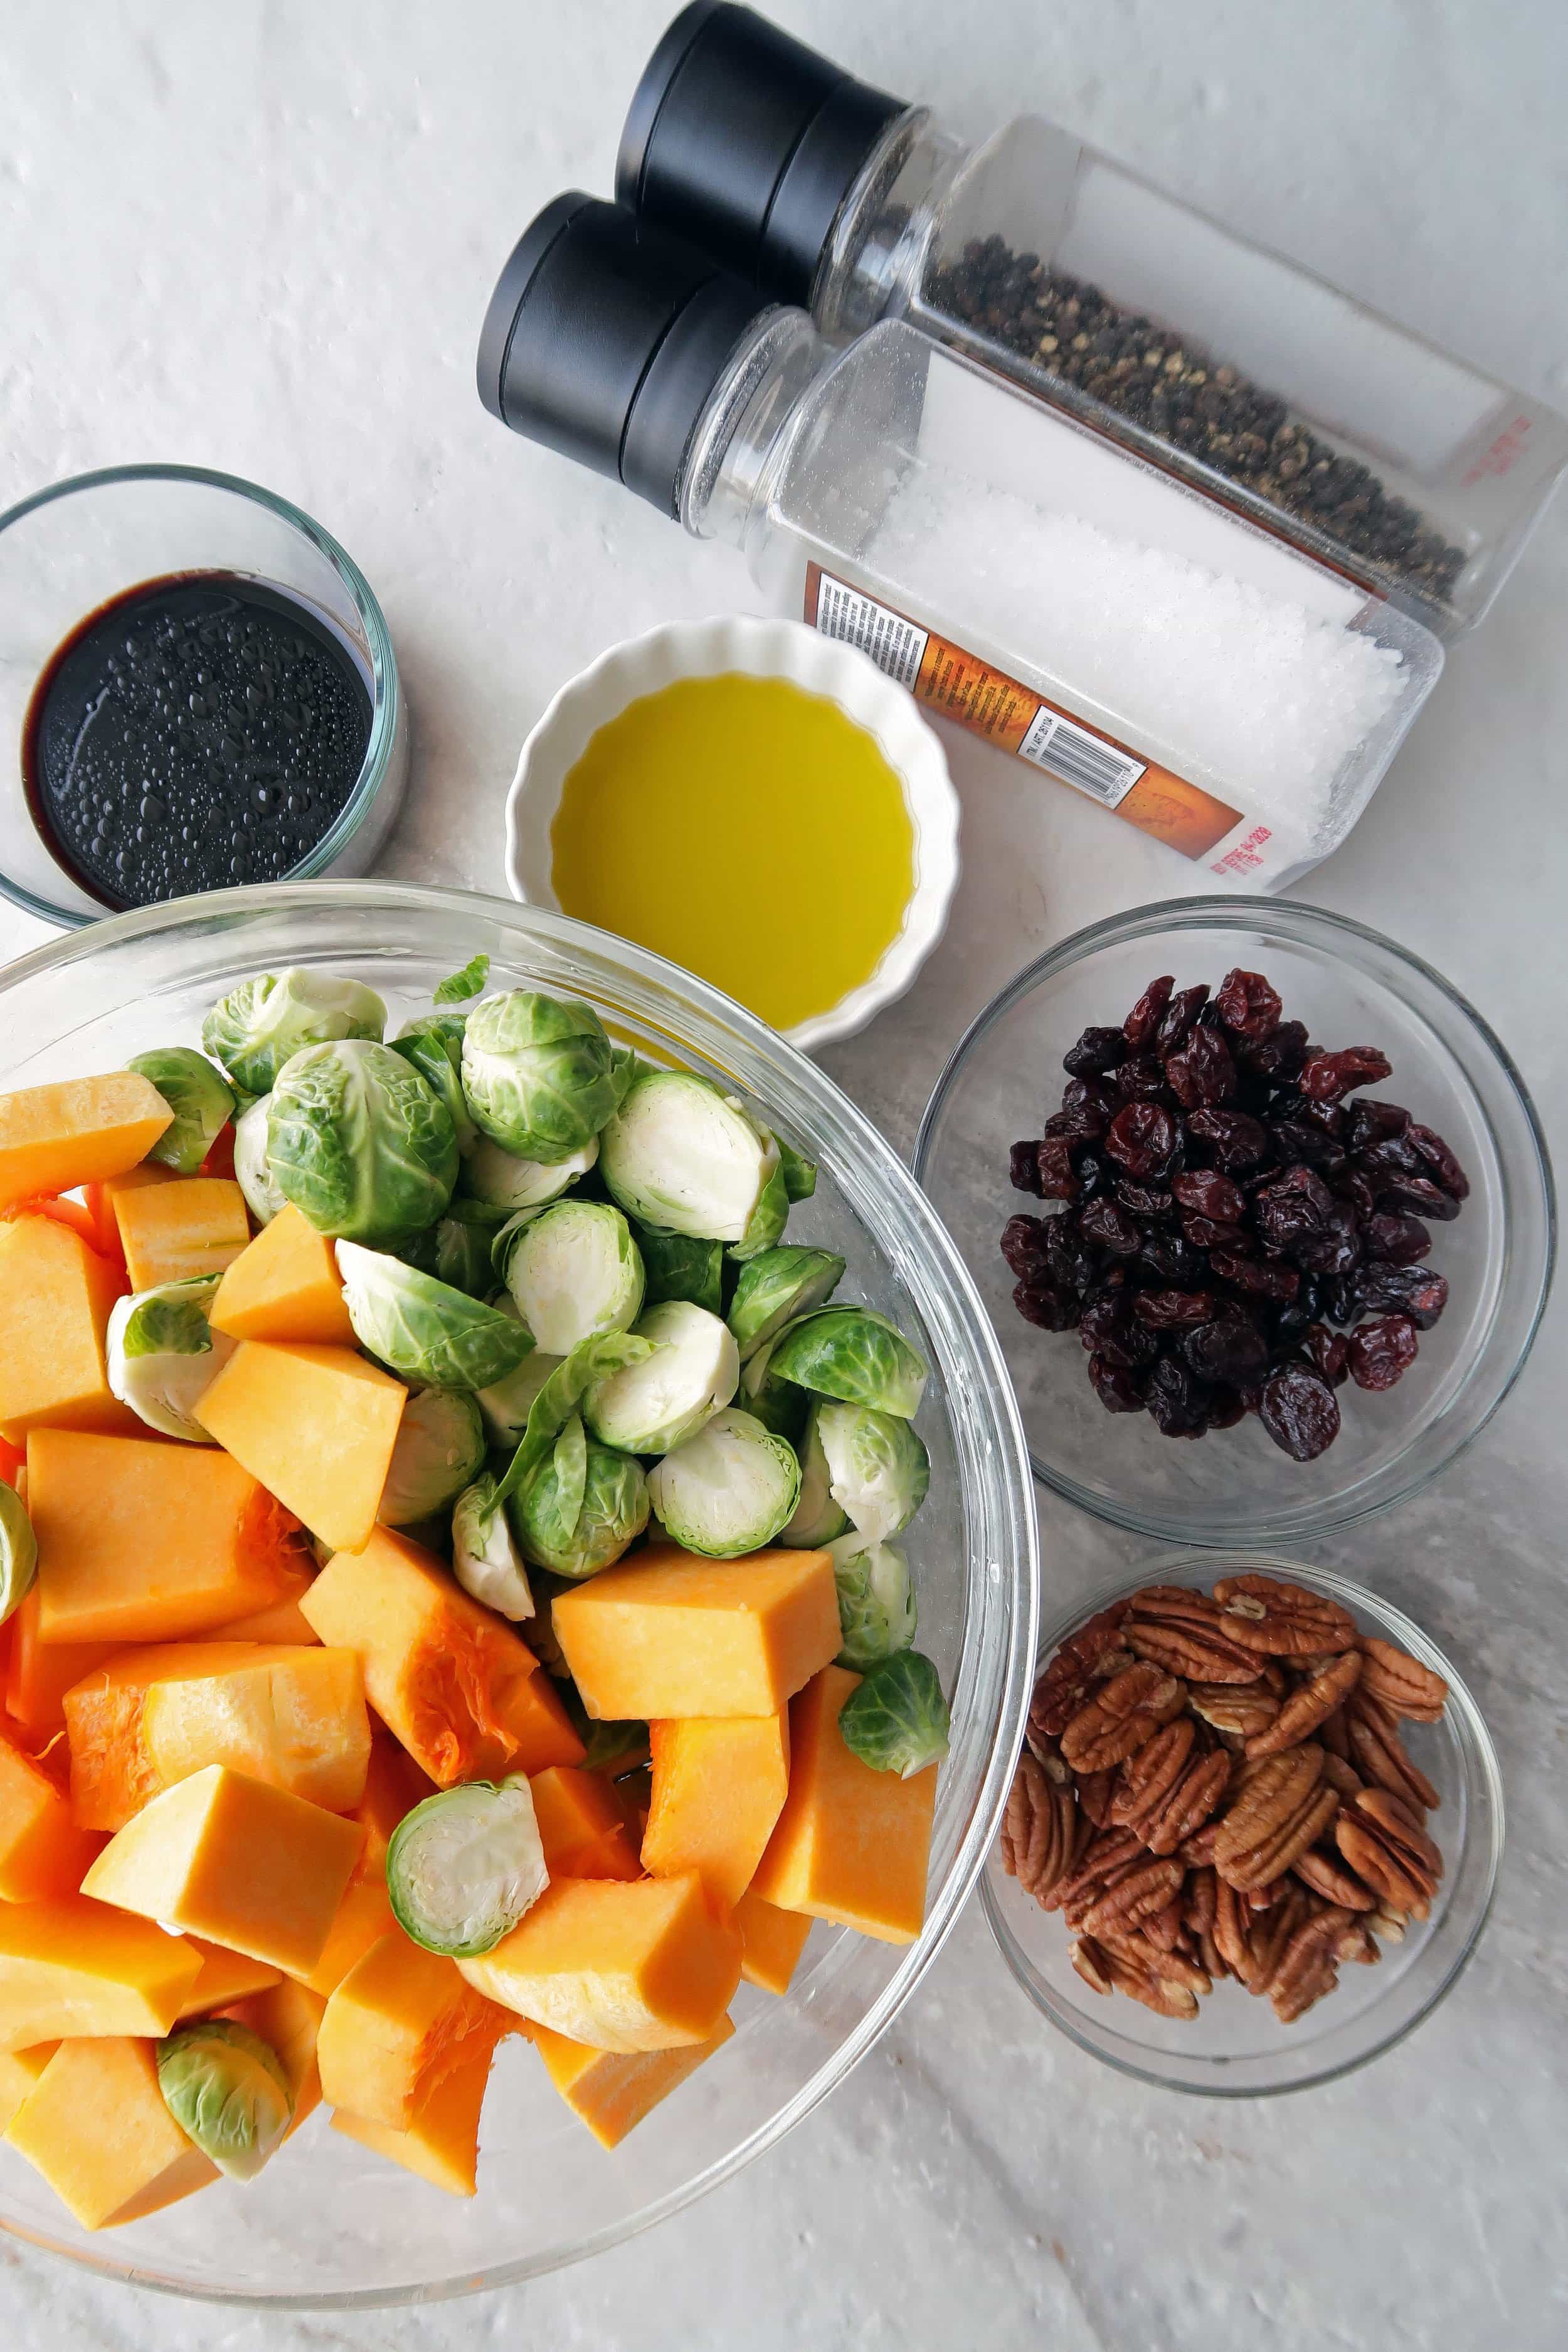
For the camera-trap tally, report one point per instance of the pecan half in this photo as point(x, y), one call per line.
point(1149, 1775)
point(1039, 1829)
point(1063, 1688)
point(1094, 1792)
point(1327, 1875)
point(1401, 1683)
point(1121, 1715)
point(1197, 1851)
point(1242, 1710)
point(1109, 1972)
point(1281, 1620)
point(1341, 1776)
point(1283, 1809)
point(1201, 1899)
point(1195, 1797)
point(1379, 1754)
point(1334, 1735)
point(1383, 1842)
point(1111, 1851)
point(1307, 1967)
point(1309, 1706)
point(1233, 1933)
point(1130, 1900)
point(1163, 1928)
point(1173, 1966)
point(1182, 1631)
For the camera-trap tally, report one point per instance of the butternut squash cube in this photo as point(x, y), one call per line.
point(54, 1138)
point(648, 1964)
point(316, 1425)
point(285, 1284)
point(362, 1917)
point(55, 1298)
point(675, 1635)
point(719, 1785)
point(581, 1825)
point(95, 2125)
point(852, 1845)
point(394, 1786)
point(226, 1977)
point(401, 2019)
point(99, 1200)
point(281, 1622)
point(19, 2070)
point(613, 2090)
point(772, 1941)
point(38, 1674)
point(289, 2018)
point(42, 1850)
point(236, 1862)
point(448, 1679)
point(140, 1540)
point(171, 1232)
point(292, 1716)
point(68, 1966)
point(441, 2142)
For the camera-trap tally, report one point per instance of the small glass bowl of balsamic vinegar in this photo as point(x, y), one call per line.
point(197, 690)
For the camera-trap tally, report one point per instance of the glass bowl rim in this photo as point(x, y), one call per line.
point(1019, 1613)
point(387, 686)
point(1301, 922)
point(1197, 1563)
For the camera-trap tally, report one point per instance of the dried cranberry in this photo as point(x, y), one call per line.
point(1041, 1303)
point(1347, 1184)
point(1248, 1005)
point(1118, 1389)
point(1069, 1262)
point(1340, 1299)
point(1279, 1056)
point(1091, 1094)
point(1054, 1159)
point(1140, 1079)
point(1145, 1200)
point(1328, 1351)
point(1174, 1311)
point(1096, 1050)
point(1023, 1243)
point(1391, 1155)
point(1335, 1248)
point(1413, 1291)
point(1202, 1072)
point(1231, 1349)
point(1024, 1168)
point(1177, 1403)
point(1371, 1120)
point(1298, 1139)
point(1225, 1408)
point(1108, 1329)
point(1094, 1173)
point(1178, 1018)
point(1445, 1169)
point(1171, 1259)
point(1328, 1077)
point(1211, 1195)
point(1143, 1137)
point(1291, 1208)
point(1203, 1233)
point(1145, 1016)
point(1253, 1278)
point(1235, 1139)
point(1383, 1352)
point(1109, 1227)
point(1075, 1126)
point(1394, 1240)
point(1300, 1412)
point(1421, 1197)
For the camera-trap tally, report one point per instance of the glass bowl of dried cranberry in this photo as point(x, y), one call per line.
point(1261, 1212)
point(1136, 1893)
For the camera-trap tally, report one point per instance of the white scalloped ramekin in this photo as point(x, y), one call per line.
point(785, 649)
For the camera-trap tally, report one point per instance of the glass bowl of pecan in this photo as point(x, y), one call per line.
point(1280, 1191)
point(1255, 1829)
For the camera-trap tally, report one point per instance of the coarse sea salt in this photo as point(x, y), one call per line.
point(1241, 690)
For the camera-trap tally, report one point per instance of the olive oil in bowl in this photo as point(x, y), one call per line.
point(748, 830)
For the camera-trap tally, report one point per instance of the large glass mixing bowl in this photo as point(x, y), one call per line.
point(329, 2224)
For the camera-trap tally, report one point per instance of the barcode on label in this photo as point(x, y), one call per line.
point(1079, 758)
point(895, 645)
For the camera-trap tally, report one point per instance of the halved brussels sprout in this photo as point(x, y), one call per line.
point(573, 1270)
point(779, 1405)
point(618, 1749)
point(161, 1354)
point(360, 1143)
point(260, 1025)
point(201, 1100)
point(440, 1447)
point(433, 1044)
point(898, 1719)
point(876, 1600)
point(507, 1403)
point(424, 1330)
point(676, 1267)
point(457, 1248)
point(878, 1469)
point(799, 1172)
point(775, 1287)
point(853, 1354)
point(730, 1489)
point(657, 1404)
point(539, 1074)
point(582, 1506)
point(464, 1866)
point(484, 1558)
point(227, 2089)
point(684, 1156)
point(818, 1518)
point(263, 1194)
point(506, 1182)
point(460, 986)
point(18, 1550)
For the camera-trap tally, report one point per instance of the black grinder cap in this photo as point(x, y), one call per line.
point(745, 141)
point(604, 340)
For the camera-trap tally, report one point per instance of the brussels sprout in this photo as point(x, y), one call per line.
point(507, 1403)
point(424, 1330)
point(683, 1155)
point(228, 2090)
point(263, 1194)
point(876, 1600)
point(508, 1182)
point(360, 1143)
point(878, 1469)
point(729, 1489)
point(457, 1248)
point(18, 1550)
point(161, 1353)
point(799, 1172)
point(433, 1045)
point(898, 1720)
point(465, 1865)
point(615, 1747)
point(779, 1405)
point(581, 1508)
point(573, 1270)
point(777, 1285)
point(258, 1027)
point(560, 1395)
point(676, 1267)
point(653, 1406)
point(440, 1447)
point(460, 986)
point(201, 1100)
point(540, 1076)
point(850, 1353)
point(484, 1557)
point(818, 1518)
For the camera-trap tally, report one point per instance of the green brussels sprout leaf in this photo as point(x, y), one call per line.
point(853, 1354)
point(799, 1172)
point(484, 1558)
point(464, 1866)
point(559, 1398)
point(539, 1074)
point(227, 2089)
point(440, 1447)
point(507, 1403)
point(779, 1405)
point(258, 1027)
point(775, 1287)
point(459, 986)
point(876, 1600)
point(433, 1045)
point(676, 1266)
point(161, 1353)
point(614, 1748)
point(457, 1248)
point(878, 1469)
point(18, 1550)
point(203, 1104)
point(263, 1194)
point(425, 1330)
point(506, 1182)
point(360, 1142)
point(818, 1518)
point(581, 1508)
point(898, 1720)
point(660, 1403)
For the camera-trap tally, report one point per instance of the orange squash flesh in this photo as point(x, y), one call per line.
point(316, 1425)
point(42, 1849)
point(284, 1285)
point(76, 1132)
point(394, 1786)
point(441, 2142)
point(170, 1233)
point(289, 2018)
point(671, 1635)
point(95, 2125)
point(55, 1298)
point(226, 1977)
point(362, 1917)
point(39, 1674)
point(19, 2070)
point(281, 1621)
point(719, 1785)
point(772, 1941)
point(613, 2090)
point(851, 1845)
point(70, 1967)
point(401, 2019)
point(99, 1200)
point(581, 1825)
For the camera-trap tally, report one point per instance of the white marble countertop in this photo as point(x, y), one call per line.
point(261, 238)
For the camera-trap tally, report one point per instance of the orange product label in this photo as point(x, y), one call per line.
point(959, 686)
